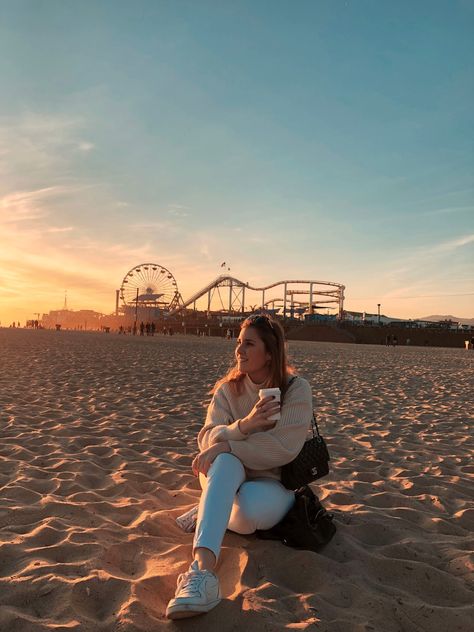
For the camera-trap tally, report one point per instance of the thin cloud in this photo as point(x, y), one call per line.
point(43, 124)
point(453, 244)
point(41, 267)
point(178, 210)
point(36, 142)
point(402, 291)
point(26, 205)
point(426, 254)
point(204, 251)
point(151, 225)
point(57, 229)
point(85, 146)
point(177, 213)
point(449, 210)
point(433, 269)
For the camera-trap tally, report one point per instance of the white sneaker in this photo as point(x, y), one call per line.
point(197, 592)
point(188, 520)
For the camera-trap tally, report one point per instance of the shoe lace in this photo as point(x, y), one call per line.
point(191, 582)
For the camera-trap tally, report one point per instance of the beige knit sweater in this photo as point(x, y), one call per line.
point(262, 453)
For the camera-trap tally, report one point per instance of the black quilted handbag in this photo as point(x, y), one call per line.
point(310, 464)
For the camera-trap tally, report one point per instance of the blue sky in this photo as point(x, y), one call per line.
point(325, 140)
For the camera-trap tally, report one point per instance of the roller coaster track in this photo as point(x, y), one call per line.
point(337, 295)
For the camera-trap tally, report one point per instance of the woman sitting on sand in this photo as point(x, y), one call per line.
point(241, 454)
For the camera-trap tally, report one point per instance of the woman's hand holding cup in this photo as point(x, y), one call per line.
point(264, 414)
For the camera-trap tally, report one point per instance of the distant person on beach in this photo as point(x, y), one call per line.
point(241, 452)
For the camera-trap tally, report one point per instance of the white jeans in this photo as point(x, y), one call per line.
point(229, 501)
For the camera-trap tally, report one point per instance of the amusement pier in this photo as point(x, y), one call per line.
point(149, 301)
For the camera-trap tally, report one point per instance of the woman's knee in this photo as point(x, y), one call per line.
point(259, 506)
point(226, 460)
point(246, 511)
point(241, 519)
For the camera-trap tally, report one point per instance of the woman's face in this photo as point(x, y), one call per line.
point(251, 355)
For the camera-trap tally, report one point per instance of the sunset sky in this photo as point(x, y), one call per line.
point(314, 139)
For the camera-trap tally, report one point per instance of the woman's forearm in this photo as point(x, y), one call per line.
point(218, 441)
point(244, 426)
point(235, 431)
point(224, 446)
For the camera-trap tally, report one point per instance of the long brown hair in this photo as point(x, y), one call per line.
point(273, 336)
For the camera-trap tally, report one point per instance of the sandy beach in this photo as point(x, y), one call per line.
point(97, 438)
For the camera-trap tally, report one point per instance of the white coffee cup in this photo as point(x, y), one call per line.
point(266, 392)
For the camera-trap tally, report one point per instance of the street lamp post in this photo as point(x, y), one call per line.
point(378, 308)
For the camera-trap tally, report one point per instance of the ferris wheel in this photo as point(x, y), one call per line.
point(150, 285)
